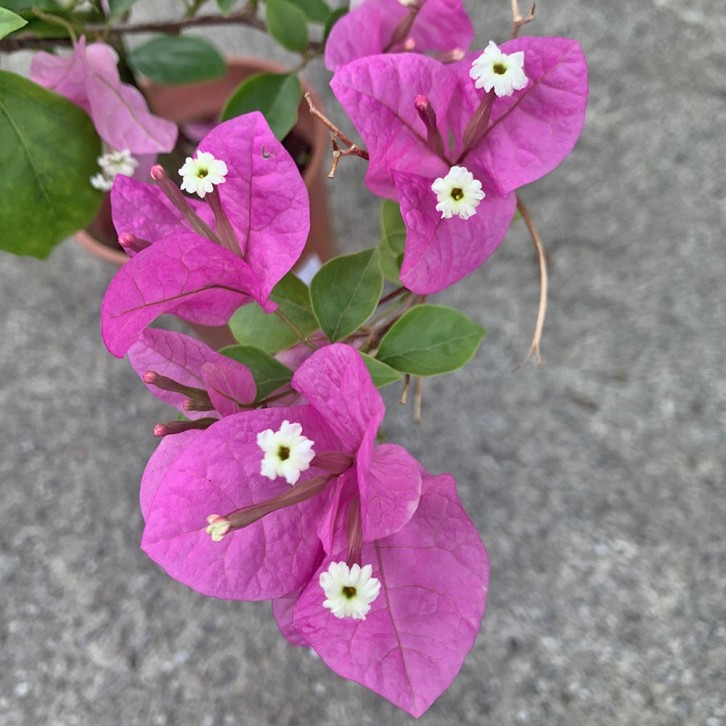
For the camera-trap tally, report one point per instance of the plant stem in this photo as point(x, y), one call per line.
point(295, 329)
point(537, 338)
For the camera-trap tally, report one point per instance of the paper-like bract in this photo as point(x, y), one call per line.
point(90, 79)
point(219, 474)
point(186, 275)
point(434, 574)
point(368, 29)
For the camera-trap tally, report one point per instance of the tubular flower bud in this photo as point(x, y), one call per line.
point(218, 527)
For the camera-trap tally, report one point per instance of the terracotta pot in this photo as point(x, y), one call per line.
point(203, 102)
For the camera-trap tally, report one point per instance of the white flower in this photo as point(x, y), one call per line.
point(349, 591)
point(112, 164)
point(457, 193)
point(100, 182)
point(494, 69)
point(287, 452)
point(117, 162)
point(201, 174)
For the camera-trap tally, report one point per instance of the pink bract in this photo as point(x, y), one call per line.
point(185, 275)
point(220, 470)
point(434, 575)
point(527, 135)
point(265, 200)
point(89, 78)
point(369, 28)
point(190, 362)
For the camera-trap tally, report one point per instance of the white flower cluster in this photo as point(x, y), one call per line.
point(112, 164)
point(287, 452)
point(349, 591)
point(200, 174)
point(494, 69)
point(458, 193)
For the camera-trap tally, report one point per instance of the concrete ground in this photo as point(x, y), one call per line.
point(597, 482)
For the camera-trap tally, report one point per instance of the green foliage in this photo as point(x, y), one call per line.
point(226, 6)
point(430, 339)
point(381, 374)
point(175, 59)
point(251, 326)
point(316, 11)
point(287, 24)
point(119, 7)
point(277, 96)
point(268, 372)
point(10, 22)
point(393, 237)
point(47, 156)
point(333, 18)
point(345, 292)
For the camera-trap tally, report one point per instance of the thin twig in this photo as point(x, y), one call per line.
point(406, 386)
point(417, 398)
point(534, 348)
point(517, 18)
point(335, 134)
point(23, 41)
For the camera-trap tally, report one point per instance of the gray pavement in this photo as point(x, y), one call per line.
point(597, 482)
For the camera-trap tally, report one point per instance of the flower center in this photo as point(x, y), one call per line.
point(457, 194)
point(499, 68)
point(202, 173)
point(349, 592)
point(283, 453)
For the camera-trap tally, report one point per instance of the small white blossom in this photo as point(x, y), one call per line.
point(218, 527)
point(494, 69)
point(112, 164)
point(100, 182)
point(199, 175)
point(457, 193)
point(287, 452)
point(349, 591)
point(118, 162)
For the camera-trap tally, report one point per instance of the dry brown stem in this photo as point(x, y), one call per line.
point(520, 20)
point(335, 135)
point(534, 348)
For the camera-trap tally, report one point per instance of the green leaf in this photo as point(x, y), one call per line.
point(277, 96)
point(268, 372)
point(47, 156)
point(17, 5)
point(226, 6)
point(119, 7)
point(316, 11)
point(345, 291)
point(393, 237)
point(333, 18)
point(430, 339)
point(287, 24)
point(250, 325)
point(175, 59)
point(381, 373)
point(10, 22)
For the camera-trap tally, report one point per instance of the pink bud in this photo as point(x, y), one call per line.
point(428, 116)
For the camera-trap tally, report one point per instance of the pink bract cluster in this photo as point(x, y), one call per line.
point(366, 557)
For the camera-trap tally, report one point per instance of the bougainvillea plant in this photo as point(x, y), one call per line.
point(272, 481)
